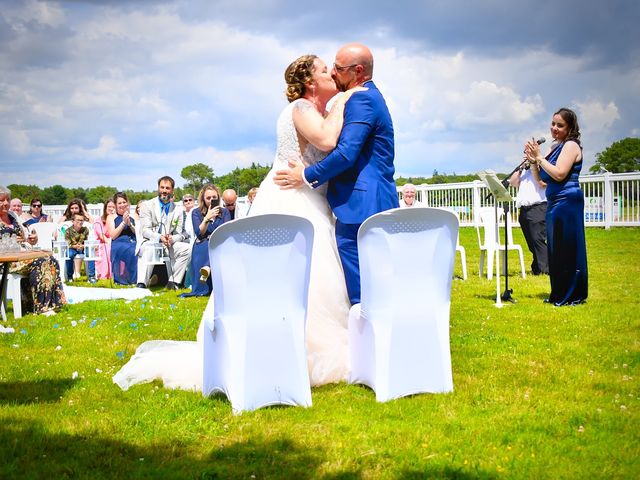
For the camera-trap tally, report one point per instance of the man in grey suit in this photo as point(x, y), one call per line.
point(162, 223)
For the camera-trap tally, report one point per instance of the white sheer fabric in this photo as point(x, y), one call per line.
point(82, 294)
point(399, 334)
point(328, 304)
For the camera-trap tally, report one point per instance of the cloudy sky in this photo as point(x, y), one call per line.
point(120, 92)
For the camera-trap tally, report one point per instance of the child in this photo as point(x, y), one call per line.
point(75, 237)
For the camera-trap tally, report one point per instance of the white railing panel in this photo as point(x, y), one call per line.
point(611, 199)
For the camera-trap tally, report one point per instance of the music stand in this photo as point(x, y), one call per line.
point(500, 194)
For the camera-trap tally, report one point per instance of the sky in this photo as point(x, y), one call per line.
point(119, 93)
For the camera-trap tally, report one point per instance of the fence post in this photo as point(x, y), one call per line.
point(475, 202)
point(608, 201)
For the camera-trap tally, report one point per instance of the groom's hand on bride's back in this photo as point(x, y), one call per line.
point(292, 178)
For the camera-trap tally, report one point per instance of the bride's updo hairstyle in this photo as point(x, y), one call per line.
point(297, 75)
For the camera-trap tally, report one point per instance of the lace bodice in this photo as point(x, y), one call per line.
point(288, 145)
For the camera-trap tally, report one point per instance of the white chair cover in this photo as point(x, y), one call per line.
point(399, 334)
point(46, 232)
point(254, 352)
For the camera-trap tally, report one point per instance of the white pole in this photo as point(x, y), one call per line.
point(497, 259)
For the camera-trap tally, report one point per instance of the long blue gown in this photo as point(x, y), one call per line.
point(200, 252)
point(565, 236)
point(123, 253)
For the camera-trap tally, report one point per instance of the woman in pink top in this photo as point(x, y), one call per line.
point(103, 266)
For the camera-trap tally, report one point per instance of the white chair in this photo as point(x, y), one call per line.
point(14, 294)
point(488, 246)
point(254, 350)
point(459, 248)
point(399, 334)
point(463, 257)
point(46, 232)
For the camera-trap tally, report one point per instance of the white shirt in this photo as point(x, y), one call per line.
point(529, 192)
point(188, 223)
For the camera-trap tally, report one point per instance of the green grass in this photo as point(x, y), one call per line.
point(540, 392)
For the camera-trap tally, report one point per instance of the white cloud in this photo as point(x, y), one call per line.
point(596, 115)
point(144, 89)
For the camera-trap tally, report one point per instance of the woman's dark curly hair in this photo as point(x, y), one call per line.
point(573, 129)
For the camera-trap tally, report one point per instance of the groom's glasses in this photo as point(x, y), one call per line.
point(342, 69)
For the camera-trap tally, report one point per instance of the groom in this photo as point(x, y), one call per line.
point(360, 169)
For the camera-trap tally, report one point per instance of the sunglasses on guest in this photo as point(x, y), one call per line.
point(36, 205)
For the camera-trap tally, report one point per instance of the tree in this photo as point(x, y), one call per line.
point(24, 192)
point(77, 192)
point(100, 194)
point(621, 156)
point(196, 176)
point(54, 195)
point(242, 180)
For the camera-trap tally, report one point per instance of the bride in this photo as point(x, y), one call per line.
point(304, 134)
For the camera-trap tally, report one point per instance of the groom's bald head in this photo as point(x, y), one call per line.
point(353, 65)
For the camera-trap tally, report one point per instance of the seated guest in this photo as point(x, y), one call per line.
point(103, 266)
point(188, 203)
point(136, 212)
point(75, 237)
point(74, 207)
point(230, 198)
point(16, 207)
point(44, 284)
point(122, 230)
point(206, 218)
point(35, 215)
point(250, 196)
point(409, 197)
point(162, 223)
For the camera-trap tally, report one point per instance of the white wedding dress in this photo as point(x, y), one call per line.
point(179, 364)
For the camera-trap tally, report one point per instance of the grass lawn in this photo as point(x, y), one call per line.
point(539, 392)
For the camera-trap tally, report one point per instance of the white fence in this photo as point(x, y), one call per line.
point(611, 199)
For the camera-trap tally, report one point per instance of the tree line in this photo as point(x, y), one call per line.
point(240, 179)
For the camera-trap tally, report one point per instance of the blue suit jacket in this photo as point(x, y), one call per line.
point(360, 169)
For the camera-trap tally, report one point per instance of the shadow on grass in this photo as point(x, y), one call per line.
point(30, 451)
point(445, 472)
point(37, 391)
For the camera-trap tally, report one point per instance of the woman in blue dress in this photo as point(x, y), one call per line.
point(565, 209)
point(122, 230)
point(206, 218)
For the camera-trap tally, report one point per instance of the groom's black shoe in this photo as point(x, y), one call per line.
point(172, 286)
point(141, 285)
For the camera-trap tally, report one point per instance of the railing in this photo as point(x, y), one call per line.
point(611, 199)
